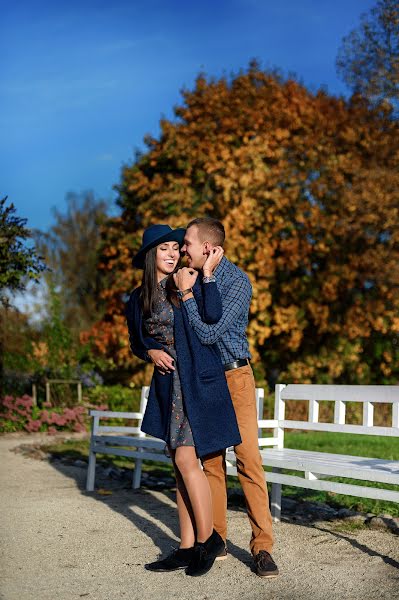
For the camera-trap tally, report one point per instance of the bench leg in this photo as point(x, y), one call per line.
point(137, 474)
point(91, 471)
point(276, 500)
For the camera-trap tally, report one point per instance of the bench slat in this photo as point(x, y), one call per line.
point(142, 442)
point(116, 415)
point(116, 429)
point(133, 453)
point(334, 427)
point(337, 465)
point(346, 393)
point(328, 486)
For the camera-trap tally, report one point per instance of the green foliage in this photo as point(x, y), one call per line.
point(116, 397)
point(17, 262)
point(55, 354)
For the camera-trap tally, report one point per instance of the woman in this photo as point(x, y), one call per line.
point(189, 405)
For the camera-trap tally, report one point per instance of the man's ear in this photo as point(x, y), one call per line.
point(207, 247)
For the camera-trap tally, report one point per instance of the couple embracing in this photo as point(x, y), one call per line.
point(191, 323)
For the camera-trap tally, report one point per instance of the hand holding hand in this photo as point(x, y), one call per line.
point(185, 278)
point(214, 258)
point(162, 360)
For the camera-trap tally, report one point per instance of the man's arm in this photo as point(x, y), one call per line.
point(235, 302)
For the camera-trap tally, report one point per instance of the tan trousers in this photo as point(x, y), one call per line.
point(249, 466)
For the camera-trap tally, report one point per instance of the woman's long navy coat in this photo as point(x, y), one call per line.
point(206, 396)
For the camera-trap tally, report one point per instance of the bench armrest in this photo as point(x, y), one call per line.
point(267, 423)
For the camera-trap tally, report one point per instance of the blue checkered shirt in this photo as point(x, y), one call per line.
point(229, 332)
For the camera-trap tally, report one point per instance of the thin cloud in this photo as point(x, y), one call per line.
point(116, 46)
point(51, 86)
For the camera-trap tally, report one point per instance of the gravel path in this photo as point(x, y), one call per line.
point(59, 542)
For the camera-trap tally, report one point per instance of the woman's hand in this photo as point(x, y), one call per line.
point(162, 360)
point(214, 258)
point(185, 278)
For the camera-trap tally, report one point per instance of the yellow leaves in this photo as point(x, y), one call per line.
point(395, 325)
point(320, 315)
point(258, 332)
point(330, 288)
point(281, 134)
point(40, 353)
point(245, 180)
point(287, 320)
point(306, 187)
point(385, 369)
point(387, 356)
point(263, 301)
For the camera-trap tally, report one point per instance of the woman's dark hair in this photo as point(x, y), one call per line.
point(149, 283)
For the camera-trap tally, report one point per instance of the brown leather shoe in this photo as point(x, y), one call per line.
point(265, 565)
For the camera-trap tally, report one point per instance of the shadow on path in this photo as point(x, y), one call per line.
point(143, 510)
point(387, 559)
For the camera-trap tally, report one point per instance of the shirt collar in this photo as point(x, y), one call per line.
point(222, 266)
point(163, 281)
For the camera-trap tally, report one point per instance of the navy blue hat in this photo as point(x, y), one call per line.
point(154, 235)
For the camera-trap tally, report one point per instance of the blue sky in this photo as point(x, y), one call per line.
point(83, 81)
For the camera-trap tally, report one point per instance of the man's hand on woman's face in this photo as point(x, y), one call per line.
point(213, 259)
point(185, 278)
point(162, 360)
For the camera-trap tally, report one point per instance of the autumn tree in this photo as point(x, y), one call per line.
point(368, 60)
point(306, 185)
point(71, 247)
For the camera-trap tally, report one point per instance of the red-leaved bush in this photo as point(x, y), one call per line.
point(20, 414)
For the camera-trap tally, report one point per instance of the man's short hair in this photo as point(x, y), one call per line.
point(209, 230)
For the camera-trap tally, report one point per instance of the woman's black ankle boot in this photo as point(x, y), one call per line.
point(205, 554)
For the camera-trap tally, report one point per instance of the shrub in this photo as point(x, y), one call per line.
point(19, 413)
point(116, 397)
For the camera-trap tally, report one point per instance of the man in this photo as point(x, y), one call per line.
point(203, 235)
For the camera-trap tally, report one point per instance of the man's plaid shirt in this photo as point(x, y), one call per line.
point(230, 332)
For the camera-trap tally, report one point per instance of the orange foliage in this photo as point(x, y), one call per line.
point(306, 185)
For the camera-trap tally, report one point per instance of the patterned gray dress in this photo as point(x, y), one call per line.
point(160, 327)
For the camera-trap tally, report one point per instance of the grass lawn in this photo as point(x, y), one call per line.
point(357, 445)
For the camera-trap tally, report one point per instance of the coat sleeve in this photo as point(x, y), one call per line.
point(212, 309)
point(140, 343)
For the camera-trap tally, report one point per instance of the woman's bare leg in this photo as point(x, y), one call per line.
point(184, 510)
point(198, 491)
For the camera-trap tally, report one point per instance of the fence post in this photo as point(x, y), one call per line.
point(34, 394)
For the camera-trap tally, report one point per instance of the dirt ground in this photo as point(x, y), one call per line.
point(59, 542)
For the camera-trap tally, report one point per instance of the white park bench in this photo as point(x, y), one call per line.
point(130, 441)
point(316, 468)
